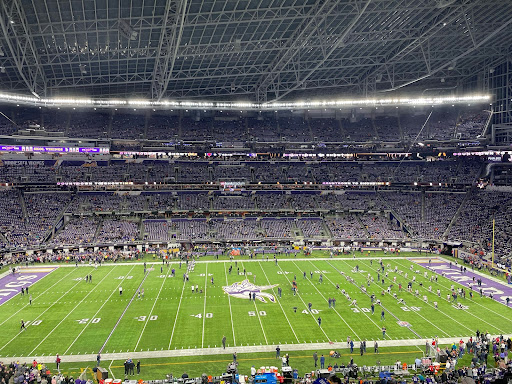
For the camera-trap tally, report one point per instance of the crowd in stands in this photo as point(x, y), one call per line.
point(191, 230)
point(82, 125)
point(202, 172)
point(471, 124)
point(486, 350)
point(22, 373)
point(276, 228)
point(346, 227)
point(77, 231)
point(379, 227)
point(163, 128)
point(474, 222)
point(312, 227)
point(427, 215)
point(233, 202)
point(128, 126)
point(117, 231)
point(30, 219)
point(157, 230)
point(44, 209)
point(401, 125)
point(236, 229)
point(12, 223)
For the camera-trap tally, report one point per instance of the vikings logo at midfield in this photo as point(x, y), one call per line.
point(242, 290)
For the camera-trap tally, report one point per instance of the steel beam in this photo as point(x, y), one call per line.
point(310, 27)
point(313, 28)
point(21, 46)
point(168, 46)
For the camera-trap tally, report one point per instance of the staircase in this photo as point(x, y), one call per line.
point(375, 131)
point(51, 232)
point(23, 207)
point(362, 226)
point(141, 229)
point(325, 230)
point(343, 132)
point(457, 213)
point(98, 228)
point(311, 135)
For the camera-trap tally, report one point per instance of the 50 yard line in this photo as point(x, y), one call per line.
point(279, 302)
point(257, 312)
point(230, 311)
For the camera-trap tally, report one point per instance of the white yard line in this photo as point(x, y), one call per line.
point(361, 311)
point(125, 309)
point(396, 317)
point(321, 294)
point(230, 311)
point(204, 305)
point(257, 311)
point(70, 312)
point(430, 305)
point(261, 324)
point(279, 302)
point(177, 313)
point(384, 308)
point(303, 302)
point(152, 308)
point(27, 305)
point(42, 313)
point(96, 314)
point(392, 314)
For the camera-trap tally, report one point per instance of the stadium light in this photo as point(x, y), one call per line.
point(243, 106)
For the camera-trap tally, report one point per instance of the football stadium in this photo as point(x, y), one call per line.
point(255, 191)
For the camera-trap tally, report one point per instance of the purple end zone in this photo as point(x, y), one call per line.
point(11, 285)
point(500, 291)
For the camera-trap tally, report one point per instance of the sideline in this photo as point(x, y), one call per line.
point(229, 350)
point(262, 358)
point(253, 260)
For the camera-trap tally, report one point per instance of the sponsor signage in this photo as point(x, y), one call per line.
point(44, 149)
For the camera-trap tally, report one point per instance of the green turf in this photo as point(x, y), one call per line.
point(170, 316)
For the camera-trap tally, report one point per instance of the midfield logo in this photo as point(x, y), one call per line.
point(242, 290)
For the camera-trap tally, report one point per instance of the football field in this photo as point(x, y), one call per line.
point(71, 316)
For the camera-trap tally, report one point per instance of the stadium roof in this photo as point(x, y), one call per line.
point(254, 50)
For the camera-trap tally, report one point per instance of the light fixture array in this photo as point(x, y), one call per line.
point(247, 106)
